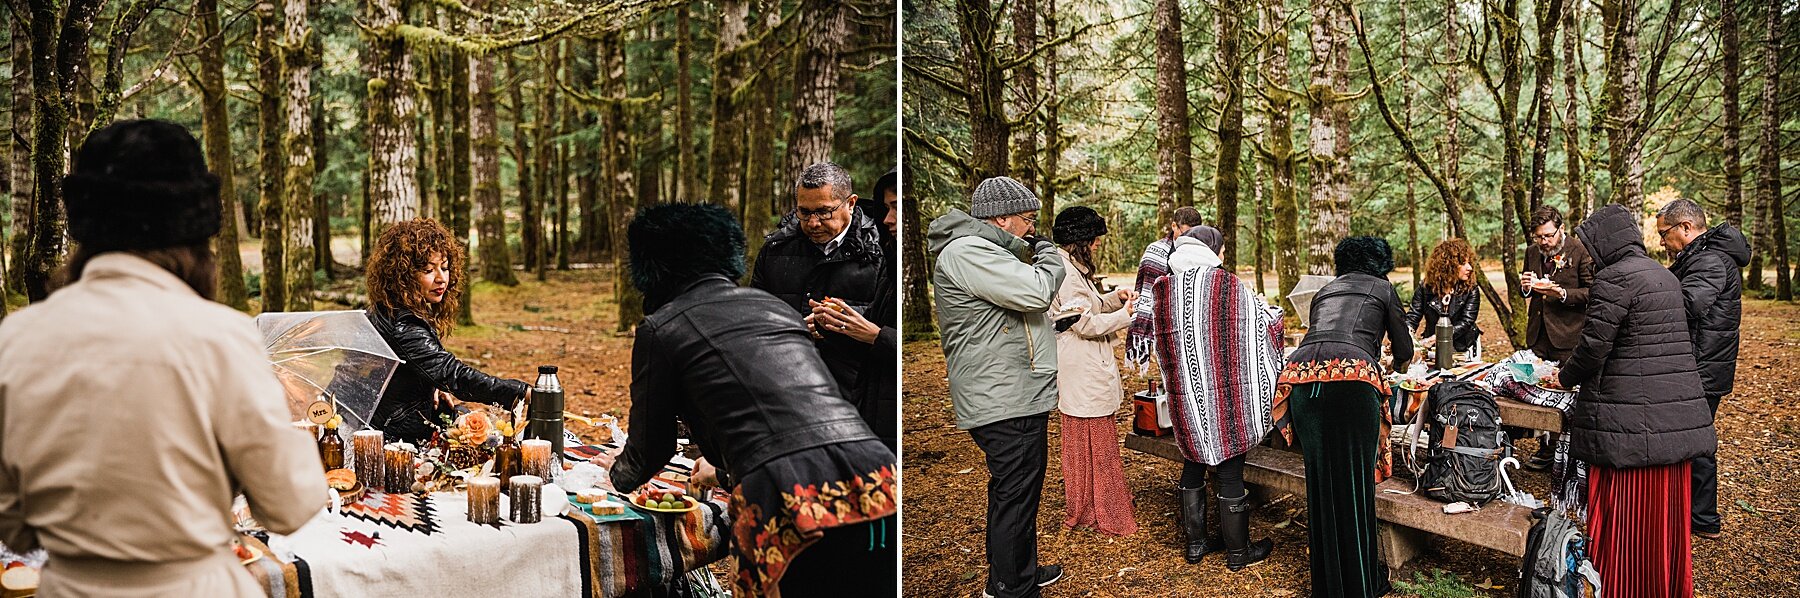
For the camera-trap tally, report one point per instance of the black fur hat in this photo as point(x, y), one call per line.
point(141, 184)
point(673, 244)
point(1368, 255)
point(1077, 224)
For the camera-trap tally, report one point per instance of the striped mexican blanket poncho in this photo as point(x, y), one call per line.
point(1219, 346)
point(1140, 339)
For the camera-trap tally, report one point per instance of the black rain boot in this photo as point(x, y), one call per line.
point(1193, 521)
point(1234, 517)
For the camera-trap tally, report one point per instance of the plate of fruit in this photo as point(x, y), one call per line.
point(664, 501)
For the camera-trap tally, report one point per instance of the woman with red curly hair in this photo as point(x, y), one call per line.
point(1448, 290)
point(415, 279)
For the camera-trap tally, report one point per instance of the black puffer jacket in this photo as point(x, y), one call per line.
point(877, 382)
point(793, 269)
point(1427, 307)
point(1349, 318)
point(1641, 404)
point(739, 368)
point(406, 411)
point(1713, 286)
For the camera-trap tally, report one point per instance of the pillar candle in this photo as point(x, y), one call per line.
point(484, 500)
point(370, 458)
point(526, 493)
point(536, 455)
point(399, 471)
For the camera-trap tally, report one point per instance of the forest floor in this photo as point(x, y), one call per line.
point(945, 480)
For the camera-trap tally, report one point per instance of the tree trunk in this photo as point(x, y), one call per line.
point(1549, 14)
point(59, 51)
point(1513, 199)
point(823, 31)
point(990, 134)
point(21, 163)
point(321, 203)
point(1279, 138)
point(618, 175)
point(1451, 150)
point(393, 150)
point(685, 174)
point(484, 133)
point(530, 220)
point(1415, 253)
point(1053, 142)
point(1329, 135)
point(460, 218)
point(1624, 103)
point(273, 169)
point(594, 240)
point(1174, 162)
point(215, 123)
point(764, 198)
point(1571, 121)
point(1733, 122)
point(915, 263)
point(725, 157)
point(547, 119)
point(1231, 126)
point(563, 157)
point(1025, 84)
point(1769, 174)
point(298, 186)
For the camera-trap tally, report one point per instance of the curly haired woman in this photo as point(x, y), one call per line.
point(1448, 291)
point(415, 279)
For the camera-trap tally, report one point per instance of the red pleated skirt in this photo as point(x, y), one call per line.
point(1094, 477)
point(1638, 519)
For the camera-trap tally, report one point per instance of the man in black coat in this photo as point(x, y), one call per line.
point(825, 248)
point(1641, 402)
point(1708, 262)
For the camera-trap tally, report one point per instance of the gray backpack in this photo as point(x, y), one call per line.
point(1556, 560)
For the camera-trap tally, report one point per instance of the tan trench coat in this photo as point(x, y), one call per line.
point(131, 411)
point(1087, 373)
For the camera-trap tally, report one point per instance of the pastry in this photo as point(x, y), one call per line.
point(607, 507)
point(340, 479)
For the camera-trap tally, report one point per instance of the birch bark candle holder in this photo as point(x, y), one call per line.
point(370, 457)
point(526, 495)
point(536, 455)
point(399, 474)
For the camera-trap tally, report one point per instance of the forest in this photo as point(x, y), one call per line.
point(532, 129)
point(1291, 124)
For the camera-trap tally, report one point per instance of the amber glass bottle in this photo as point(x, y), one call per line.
point(331, 448)
point(507, 461)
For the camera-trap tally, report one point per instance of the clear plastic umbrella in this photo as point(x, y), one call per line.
point(1303, 292)
point(338, 354)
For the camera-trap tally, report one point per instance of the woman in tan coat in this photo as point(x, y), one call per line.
point(1087, 381)
point(132, 407)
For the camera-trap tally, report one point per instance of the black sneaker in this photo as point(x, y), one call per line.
point(1046, 575)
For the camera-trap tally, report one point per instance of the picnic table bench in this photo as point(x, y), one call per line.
point(1407, 520)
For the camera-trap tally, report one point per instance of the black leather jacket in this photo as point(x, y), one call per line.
point(1464, 308)
point(406, 411)
point(738, 366)
point(1349, 317)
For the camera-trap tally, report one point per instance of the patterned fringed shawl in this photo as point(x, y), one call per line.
point(1219, 347)
point(1140, 339)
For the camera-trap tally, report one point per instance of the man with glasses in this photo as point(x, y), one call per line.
point(1708, 262)
point(1558, 273)
point(993, 282)
point(825, 252)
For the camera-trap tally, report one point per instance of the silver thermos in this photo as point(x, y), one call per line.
point(544, 416)
point(1446, 349)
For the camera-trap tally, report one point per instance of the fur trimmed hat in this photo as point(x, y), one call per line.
point(1077, 224)
point(1368, 255)
point(141, 184)
point(673, 244)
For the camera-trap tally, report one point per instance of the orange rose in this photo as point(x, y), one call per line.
point(475, 426)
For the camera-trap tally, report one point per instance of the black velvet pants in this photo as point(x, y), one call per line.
point(1337, 425)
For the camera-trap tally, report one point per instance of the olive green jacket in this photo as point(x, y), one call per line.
point(991, 291)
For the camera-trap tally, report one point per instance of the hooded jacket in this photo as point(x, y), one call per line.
point(991, 291)
point(1641, 403)
point(1190, 253)
point(793, 269)
point(1712, 285)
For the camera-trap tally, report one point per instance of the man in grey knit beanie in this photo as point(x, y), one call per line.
point(993, 281)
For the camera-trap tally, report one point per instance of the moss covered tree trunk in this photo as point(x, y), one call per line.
point(1231, 126)
point(215, 130)
point(1174, 160)
point(1572, 155)
point(298, 186)
point(1279, 139)
point(1732, 125)
point(725, 157)
point(823, 31)
point(484, 125)
point(593, 236)
point(618, 174)
point(1624, 103)
point(685, 174)
point(1769, 171)
point(530, 221)
point(547, 119)
point(1329, 135)
point(273, 168)
point(393, 149)
point(321, 202)
point(460, 218)
point(915, 264)
point(20, 163)
point(983, 92)
point(59, 52)
point(564, 157)
point(1025, 99)
point(764, 198)
point(1053, 135)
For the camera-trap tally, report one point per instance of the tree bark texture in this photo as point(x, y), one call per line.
point(1624, 103)
point(297, 207)
point(59, 49)
point(1549, 15)
point(990, 133)
point(1769, 173)
point(547, 119)
point(1279, 140)
point(1231, 126)
point(461, 171)
point(1329, 134)
point(484, 135)
point(823, 31)
point(215, 130)
point(393, 150)
point(619, 157)
point(1052, 123)
point(20, 164)
point(685, 173)
point(1733, 124)
point(1174, 143)
point(725, 157)
point(594, 238)
point(1025, 85)
point(530, 219)
point(763, 201)
point(273, 170)
point(1572, 154)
